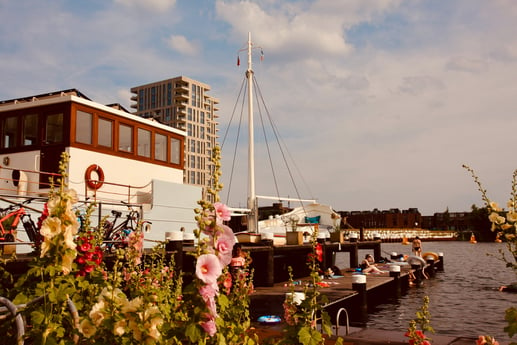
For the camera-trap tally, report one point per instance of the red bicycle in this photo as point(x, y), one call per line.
point(11, 217)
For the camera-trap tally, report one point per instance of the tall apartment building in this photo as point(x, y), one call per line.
point(183, 103)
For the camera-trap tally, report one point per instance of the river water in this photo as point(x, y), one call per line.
point(464, 299)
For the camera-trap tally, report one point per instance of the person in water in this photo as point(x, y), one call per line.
point(416, 246)
point(368, 265)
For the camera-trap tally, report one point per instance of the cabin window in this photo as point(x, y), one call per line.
point(105, 133)
point(125, 141)
point(160, 147)
point(175, 151)
point(83, 127)
point(54, 129)
point(10, 132)
point(144, 142)
point(30, 129)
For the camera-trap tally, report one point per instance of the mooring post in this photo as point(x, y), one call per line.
point(354, 255)
point(175, 247)
point(377, 254)
point(395, 274)
point(439, 264)
point(270, 266)
point(430, 269)
point(359, 285)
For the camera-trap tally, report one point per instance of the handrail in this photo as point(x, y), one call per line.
point(347, 321)
point(20, 324)
point(13, 309)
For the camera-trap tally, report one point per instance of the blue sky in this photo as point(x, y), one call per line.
point(379, 102)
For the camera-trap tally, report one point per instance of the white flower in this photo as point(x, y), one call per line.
point(97, 313)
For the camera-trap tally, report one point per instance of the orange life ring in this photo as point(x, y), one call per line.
point(94, 184)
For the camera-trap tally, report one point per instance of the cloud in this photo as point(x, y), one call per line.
point(151, 5)
point(465, 64)
point(181, 44)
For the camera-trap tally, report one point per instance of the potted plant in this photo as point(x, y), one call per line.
point(336, 234)
point(292, 236)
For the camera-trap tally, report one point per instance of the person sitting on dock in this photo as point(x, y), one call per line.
point(368, 265)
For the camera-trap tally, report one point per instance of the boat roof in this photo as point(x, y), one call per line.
point(74, 95)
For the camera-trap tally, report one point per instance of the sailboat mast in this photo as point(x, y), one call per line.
point(252, 198)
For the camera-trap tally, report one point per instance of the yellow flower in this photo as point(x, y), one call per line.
point(68, 235)
point(137, 333)
point(511, 217)
point(45, 246)
point(52, 203)
point(51, 227)
point(494, 217)
point(68, 259)
point(115, 295)
point(97, 313)
point(87, 328)
point(119, 328)
point(132, 306)
point(72, 193)
point(494, 206)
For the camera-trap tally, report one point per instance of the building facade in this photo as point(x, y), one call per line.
point(392, 218)
point(184, 103)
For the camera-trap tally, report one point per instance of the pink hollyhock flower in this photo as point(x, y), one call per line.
point(208, 268)
point(209, 326)
point(224, 245)
point(222, 212)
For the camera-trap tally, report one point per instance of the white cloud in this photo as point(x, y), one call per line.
point(182, 45)
point(152, 5)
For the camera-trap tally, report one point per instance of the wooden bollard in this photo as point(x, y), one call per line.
point(174, 246)
point(359, 285)
point(395, 274)
point(430, 269)
point(439, 264)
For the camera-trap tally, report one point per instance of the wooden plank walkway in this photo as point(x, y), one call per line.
point(339, 292)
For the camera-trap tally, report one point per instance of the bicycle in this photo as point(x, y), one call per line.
point(115, 235)
point(11, 217)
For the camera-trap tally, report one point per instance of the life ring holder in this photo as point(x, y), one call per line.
point(433, 255)
point(94, 184)
point(416, 260)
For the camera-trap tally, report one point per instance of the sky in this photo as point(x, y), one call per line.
point(377, 103)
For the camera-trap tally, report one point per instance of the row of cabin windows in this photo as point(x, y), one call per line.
point(26, 127)
point(27, 130)
point(84, 126)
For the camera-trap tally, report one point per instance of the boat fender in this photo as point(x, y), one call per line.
point(429, 255)
point(94, 184)
point(416, 260)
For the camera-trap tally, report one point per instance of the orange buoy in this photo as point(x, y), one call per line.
point(94, 184)
point(405, 241)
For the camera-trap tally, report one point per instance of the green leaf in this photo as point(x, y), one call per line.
point(308, 336)
point(37, 317)
point(193, 333)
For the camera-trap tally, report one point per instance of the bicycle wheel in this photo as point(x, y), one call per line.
point(120, 237)
point(9, 237)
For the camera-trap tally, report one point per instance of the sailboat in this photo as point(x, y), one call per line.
point(306, 219)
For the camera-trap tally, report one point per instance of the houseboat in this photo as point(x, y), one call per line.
point(119, 160)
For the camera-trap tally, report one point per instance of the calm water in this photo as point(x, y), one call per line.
point(464, 299)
